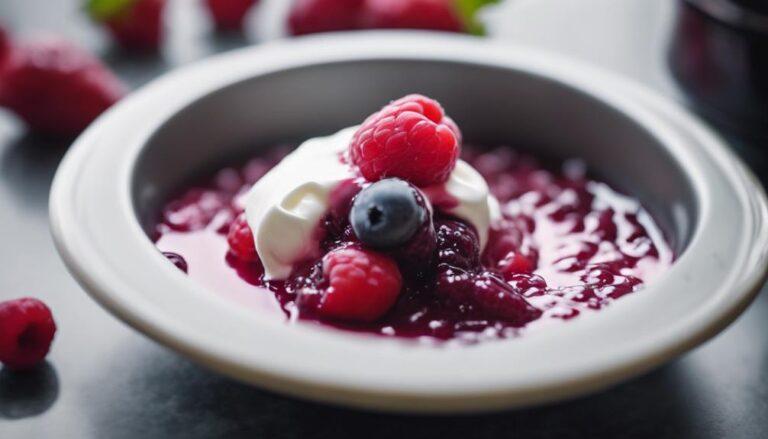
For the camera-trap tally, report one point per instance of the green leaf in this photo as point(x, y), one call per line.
point(106, 9)
point(468, 11)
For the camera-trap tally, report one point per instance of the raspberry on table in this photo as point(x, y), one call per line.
point(361, 285)
point(56, 88)
point(409, 139)
point(135, 25)
point(229, 14)
point(313, 16)
point(440, 15)
point(26, 332)
point(240, 239)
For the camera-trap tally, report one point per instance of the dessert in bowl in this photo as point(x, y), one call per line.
point(382, 228)
point(701, 240)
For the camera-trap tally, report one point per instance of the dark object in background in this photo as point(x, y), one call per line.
point(719, 56)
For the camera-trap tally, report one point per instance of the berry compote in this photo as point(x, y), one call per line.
point(567, 245)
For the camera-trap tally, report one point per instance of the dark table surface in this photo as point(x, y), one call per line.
point(104, 380)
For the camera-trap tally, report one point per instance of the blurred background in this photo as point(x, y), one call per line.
point(103, 380)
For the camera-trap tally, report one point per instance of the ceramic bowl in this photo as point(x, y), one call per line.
point(118, 173)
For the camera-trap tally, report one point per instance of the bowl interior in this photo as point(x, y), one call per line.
point(492, 105)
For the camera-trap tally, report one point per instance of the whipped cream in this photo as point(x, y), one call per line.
point(284, 208)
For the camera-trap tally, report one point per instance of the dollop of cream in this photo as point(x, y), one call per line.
point(284, 208)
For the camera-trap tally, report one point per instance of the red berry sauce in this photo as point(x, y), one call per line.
point(568, 245)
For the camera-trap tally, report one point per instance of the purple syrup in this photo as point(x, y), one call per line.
point(568, 245)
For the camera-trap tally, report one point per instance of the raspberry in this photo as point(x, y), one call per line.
point(26, 332)
point(312, 16)
point(409, 139)
point(134, 25)
point(240, 239)
point(457, 244)
point(229, 14)
point(194, 210)
point(412, 14)
point(55, 87)
point(485, 293)
point(362, 285)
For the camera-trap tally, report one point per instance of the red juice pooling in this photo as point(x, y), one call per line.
point(567, 245)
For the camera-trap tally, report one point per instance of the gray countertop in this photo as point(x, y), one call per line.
point(104, 380)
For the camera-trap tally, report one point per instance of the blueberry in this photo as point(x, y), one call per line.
point(387, 213)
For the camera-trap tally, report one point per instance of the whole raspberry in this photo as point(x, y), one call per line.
point(26, 332)
point(312, 16)
point(229, 14)
point(412, 14)
point(57, 88)
point(361, 285)
point(134, 24)
point(409, 139)
point(240, 239)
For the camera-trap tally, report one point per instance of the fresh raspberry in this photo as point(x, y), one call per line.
point(57, 88)
point(409, 139)
point(26, 332)
point(457, 244)
point(312, 16)
point(486, 294)
point(134, 24)
point(229, 14)
point(240, 239)
point(362, 285)
point(412, 14)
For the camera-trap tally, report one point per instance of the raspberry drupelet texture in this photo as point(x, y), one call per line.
point(26, 332)
point(410, 139)
point(361, 285)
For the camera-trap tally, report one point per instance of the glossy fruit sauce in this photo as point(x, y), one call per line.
point(568, 245)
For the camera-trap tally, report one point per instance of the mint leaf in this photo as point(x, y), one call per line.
point(106, 9)
point(468, 11)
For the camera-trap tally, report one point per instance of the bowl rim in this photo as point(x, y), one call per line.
point(91, 203)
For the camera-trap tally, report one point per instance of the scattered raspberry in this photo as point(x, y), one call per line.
point(362, 285)
point(486, 294)
point(55, 87)
point(240, 239)
point(26, 332)
point(457, 244)
point(134, 24)
point(312, 16)
point(409, 139)
point(229, 14)
point(412, 14)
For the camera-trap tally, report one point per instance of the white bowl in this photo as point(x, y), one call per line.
point(121, 169)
